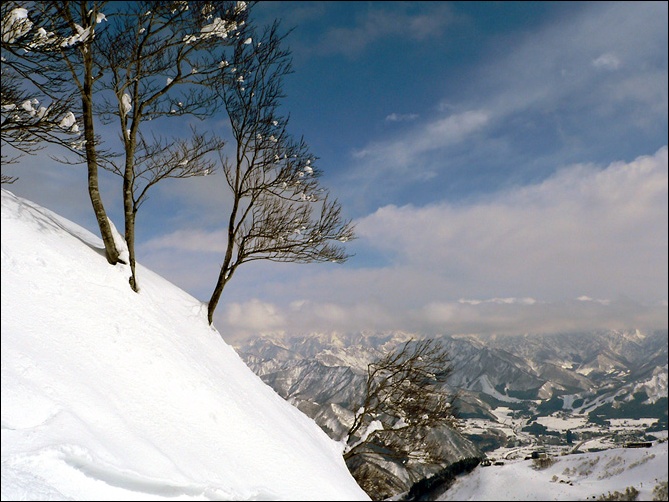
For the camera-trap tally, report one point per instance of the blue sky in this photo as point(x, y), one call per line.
point(505, 164)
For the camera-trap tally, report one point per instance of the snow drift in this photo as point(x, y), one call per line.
point(112, 395)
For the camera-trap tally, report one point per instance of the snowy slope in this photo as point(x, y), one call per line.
point(571, 477)
point(112, 395)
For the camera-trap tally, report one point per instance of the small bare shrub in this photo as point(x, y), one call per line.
point(660, 491)
point(542, 463)
point(631, 493)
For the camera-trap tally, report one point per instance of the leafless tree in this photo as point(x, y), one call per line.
point(57, 56)
point(33, 109)
point(134, 61)
point(403, 400)
point(162, 58)
point(26, 124)
point(279, 210)
point(139, 62)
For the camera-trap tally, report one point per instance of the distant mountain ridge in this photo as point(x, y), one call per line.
point(603, 374)
point(588, 367)
point(503, 367)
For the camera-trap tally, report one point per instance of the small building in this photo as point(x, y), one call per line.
point(638, 444)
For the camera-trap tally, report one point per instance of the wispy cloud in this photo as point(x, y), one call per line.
point(403, 157)
point(399, 117)
point(388, 20)
point(253, 317)
point(500, 301)
point(242, 320)
point(560, 238)
point(572, 90)
point(607, 62)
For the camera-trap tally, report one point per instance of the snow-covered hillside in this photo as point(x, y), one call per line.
point(112, 395)
point(570, 477)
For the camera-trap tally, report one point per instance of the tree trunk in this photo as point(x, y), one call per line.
point(130, 241)
point(130, 214)
point(223, 278)
point(226, 270)
point(111, 252)
point(216, 295)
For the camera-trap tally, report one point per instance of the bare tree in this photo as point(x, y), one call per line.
point(82, 18)
point(161, 58)
point(279, 210)
point(33, 108)
point(26, 124)
point(155, 160)
point(58, 57)
point(403, 400)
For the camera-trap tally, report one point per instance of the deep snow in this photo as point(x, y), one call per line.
point(572, 477)
point(112, 395)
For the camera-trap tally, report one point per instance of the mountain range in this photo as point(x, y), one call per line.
point(602, 375)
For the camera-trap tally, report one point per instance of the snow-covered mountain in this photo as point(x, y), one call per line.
point(113, 395)
point(596, 372)
point(505, 386)
point(323, 375)
point(585, 370)
point(613, 474)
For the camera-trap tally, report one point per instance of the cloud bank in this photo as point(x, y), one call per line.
point(584, 249)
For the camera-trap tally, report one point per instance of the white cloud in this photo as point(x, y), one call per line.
point(557, 60)
point(399, 156)
point(584, 298)
point(607, 62)
point(584, 249)
point(552, 96)
point(193, 240)
point(441, 317)
point(254, 316)
point(387, 21)
point(399, 117)
point(584, 229)
point(501, 301)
